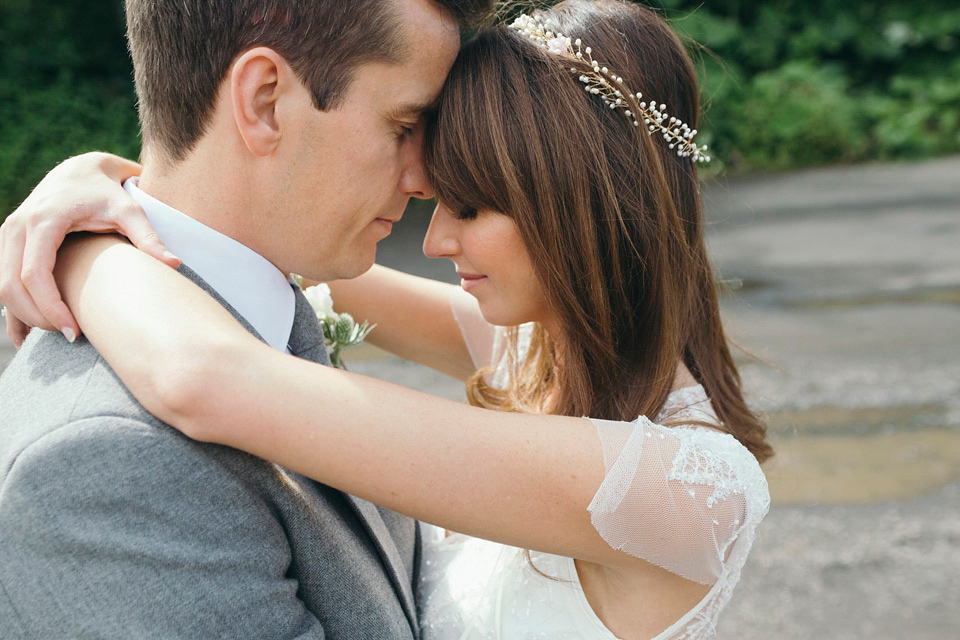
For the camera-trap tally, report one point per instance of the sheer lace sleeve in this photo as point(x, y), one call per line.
point(486, 343)
point(685, 498)
point(481, 336)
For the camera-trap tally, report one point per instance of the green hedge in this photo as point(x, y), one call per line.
point(787, 83)
point(44, 126)
point(65, 88)
point(792, 84)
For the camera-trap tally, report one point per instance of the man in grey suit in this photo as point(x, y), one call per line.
point(279, 136)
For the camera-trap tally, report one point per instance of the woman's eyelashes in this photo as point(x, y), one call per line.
point(465, 213)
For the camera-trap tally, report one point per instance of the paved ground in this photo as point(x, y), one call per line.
point(846, 282)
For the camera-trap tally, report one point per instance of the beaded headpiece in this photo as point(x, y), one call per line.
point(601, 82)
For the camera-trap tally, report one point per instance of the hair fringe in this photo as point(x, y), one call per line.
point(611, 218)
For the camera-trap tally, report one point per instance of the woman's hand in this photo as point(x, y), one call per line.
point(80, 194)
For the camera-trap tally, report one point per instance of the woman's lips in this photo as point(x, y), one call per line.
point(470, 281)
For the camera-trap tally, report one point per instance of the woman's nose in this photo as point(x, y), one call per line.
point(441, 240)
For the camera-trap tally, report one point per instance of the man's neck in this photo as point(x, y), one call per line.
point(201, 191)
point(248, 281)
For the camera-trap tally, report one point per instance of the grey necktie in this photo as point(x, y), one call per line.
point(306, 337)
point(306, 341)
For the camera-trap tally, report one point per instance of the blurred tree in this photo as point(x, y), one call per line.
point(65, 87)
point(793, 83)
point(44, 40)
point(787, 83)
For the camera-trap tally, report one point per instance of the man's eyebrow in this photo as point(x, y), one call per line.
point(414, 109)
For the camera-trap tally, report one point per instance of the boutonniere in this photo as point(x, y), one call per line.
point(340, 330)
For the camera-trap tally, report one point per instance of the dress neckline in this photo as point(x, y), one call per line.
point(693, 392)
point(688, 404)
point(571, 567)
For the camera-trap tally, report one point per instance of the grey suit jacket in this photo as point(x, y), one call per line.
point(114, 525)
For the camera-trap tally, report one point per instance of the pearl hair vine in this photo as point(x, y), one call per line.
point(600, 81)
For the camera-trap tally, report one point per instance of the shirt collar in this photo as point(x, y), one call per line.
point(252, 285)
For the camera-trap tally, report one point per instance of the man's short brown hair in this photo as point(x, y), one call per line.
point(182, 50)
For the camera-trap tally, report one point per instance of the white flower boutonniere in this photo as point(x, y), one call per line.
point(339, 329)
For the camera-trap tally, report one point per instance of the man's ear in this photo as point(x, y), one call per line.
point(258, 80)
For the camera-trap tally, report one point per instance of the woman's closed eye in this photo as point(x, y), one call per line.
point(465, 213)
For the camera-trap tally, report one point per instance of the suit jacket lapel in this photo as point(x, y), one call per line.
point(306, 341)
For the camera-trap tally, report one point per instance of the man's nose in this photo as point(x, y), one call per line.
point(440, 240)
point(414, 181)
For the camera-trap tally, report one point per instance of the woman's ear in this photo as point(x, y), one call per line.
point(258, 80)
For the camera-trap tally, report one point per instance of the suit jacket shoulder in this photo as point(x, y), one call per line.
point(114, 525)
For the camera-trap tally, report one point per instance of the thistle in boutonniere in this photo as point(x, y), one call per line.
point(339, 329)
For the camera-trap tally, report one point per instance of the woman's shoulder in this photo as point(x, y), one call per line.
point(688, 404)
point(693, 447)
point(678, 491)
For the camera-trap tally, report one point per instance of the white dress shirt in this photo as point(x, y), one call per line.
point(259, 291)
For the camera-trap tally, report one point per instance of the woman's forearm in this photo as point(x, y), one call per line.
point(525, 480)
point(141, 316)
point(413, 317)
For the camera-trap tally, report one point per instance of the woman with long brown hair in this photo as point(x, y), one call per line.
point(605, 483)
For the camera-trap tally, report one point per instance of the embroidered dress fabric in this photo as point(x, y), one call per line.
point(685, 497)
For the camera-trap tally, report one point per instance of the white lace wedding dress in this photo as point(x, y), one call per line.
point(687, 498)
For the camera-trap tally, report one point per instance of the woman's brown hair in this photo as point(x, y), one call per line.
point(611, 216)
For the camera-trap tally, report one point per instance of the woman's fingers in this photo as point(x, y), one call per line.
point(13, 295)
point(40, 240)
point(36, 276)
point(16, 330)
point(80, 194)
point(132, 222)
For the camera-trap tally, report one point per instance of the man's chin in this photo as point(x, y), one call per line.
point(358, 268)
point(343, 268)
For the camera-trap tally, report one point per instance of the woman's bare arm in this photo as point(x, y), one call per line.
point(413, 317)
point(524, 480)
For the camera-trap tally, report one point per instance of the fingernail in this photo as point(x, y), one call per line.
point(167, 254)
point(68, 333)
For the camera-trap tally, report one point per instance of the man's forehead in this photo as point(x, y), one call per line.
point(431, 40)
point(429, 31)
point(421, 15)
point(416, 86)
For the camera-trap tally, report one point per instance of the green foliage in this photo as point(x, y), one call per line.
point(44, 126)
point(920, 116)
point(786, 83)
point(65, 88)
point(824, 81)
point(798, 114)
